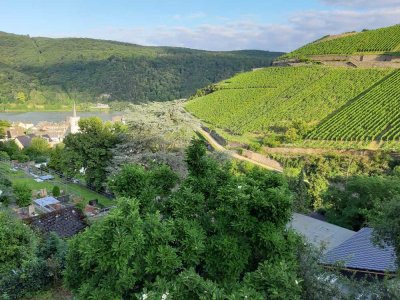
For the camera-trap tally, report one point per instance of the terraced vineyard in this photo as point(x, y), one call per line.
point(273, 97)
point(375, 41)
point(375, 115)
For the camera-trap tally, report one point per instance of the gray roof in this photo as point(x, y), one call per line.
point(320, 233)
point(46, 201)
point(360, 253)
point(25, 140)
point(46, 177)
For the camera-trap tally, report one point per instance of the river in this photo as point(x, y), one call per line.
point(36, 117)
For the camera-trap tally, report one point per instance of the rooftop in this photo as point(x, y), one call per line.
point(46, 201)
point(65, 222)
point(320, 233)
point(360, 253)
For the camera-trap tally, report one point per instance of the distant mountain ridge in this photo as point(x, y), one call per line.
point(46, 70)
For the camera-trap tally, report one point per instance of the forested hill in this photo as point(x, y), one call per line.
point(44, 70)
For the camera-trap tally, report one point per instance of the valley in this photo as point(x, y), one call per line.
point(152, 172)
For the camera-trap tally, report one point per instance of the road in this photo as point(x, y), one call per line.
point(235, 155)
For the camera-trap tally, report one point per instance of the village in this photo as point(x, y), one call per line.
point(53, 202)
point(53, 132)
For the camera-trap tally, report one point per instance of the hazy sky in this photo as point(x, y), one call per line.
point(204, 24)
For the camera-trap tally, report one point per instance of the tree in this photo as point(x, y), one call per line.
point(3, 125)
point(17, 243)
point(10, 147)
point(217, 235)
point(21, 97)
point(39, 147)
point(291, 135)
point(91, 150)
point(56, 191)
point(56, 157)
point(133, 180)
point(385, 219)
point(23, 194)
point(349, 206)
point(4, 156)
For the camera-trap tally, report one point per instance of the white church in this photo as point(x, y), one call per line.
point(74, 122)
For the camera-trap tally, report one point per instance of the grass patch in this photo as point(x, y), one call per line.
point(70, 188)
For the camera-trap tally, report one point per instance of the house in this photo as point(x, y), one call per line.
point(359, 254)
point(320, 233)
point(23, 141)
point(13, 132)
point(65, 222)
point(352, 252)
point(47, 204)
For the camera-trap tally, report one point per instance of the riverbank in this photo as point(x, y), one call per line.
point(35, 117)
point(15, 108)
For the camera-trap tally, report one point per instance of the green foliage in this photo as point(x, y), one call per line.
point(385, 219)
point(56, 157)
point(56, 71)
point(10, 147)
point(4, 156)
point(134, 181)
point(23, 194)
point(38, 148)
point(90, 149)
point(56, 191)
point(41, 272)
point(277, 97)
point(17, 243)
point(213, 237)
point(309, 176)
point(3, 125)
point(379, 40)
point(375, 115)
point(349, 206)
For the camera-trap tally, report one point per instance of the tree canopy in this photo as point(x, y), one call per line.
point(17, 243)
point(89, 150)
point(218, 236)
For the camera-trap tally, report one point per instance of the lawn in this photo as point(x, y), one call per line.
point(69, 188)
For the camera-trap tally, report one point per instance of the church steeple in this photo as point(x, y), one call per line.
point(74, 113)
point(74, 121)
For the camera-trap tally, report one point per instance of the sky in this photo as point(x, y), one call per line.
point(274, 25)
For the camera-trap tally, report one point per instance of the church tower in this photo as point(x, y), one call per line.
point(74, 122)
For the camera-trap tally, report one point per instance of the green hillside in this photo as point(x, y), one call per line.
point(273, 98)
point(383, 40)
point(54, 71)
point(373, 115)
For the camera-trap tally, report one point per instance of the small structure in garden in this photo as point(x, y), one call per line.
point(47, 204)
point(65, 222)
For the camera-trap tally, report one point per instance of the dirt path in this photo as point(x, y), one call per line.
point(261, 161)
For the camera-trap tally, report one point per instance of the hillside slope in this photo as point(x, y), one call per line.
point(44, 70)
point(311, 99)
point(380, 41)
point(275, 97)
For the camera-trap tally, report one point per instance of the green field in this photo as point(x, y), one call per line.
point(70, 188)
point(383, 40)
point(259, 101)
point(374, 115)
